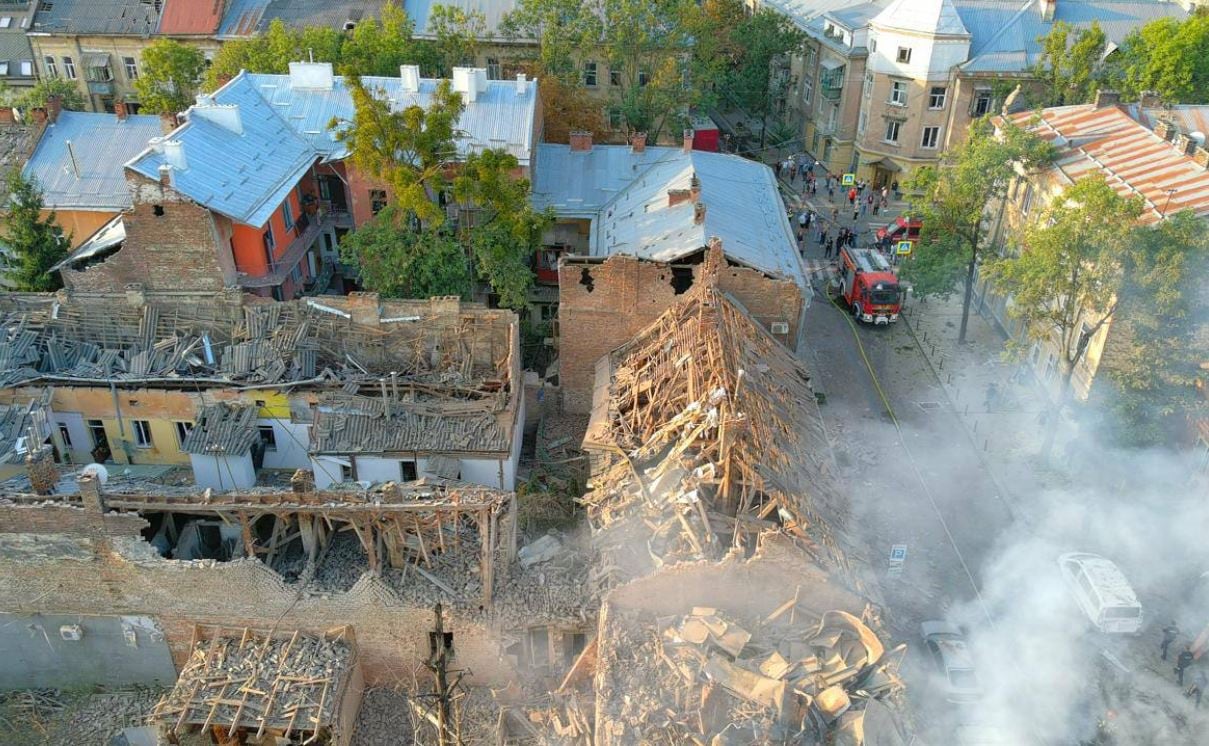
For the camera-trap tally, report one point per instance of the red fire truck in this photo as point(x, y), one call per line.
point(869, 286)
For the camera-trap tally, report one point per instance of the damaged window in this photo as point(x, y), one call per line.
point(539, 647)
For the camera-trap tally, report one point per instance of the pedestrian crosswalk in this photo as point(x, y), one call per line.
point(821, 272)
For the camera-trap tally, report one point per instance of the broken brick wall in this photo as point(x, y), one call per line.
point(603, 304)
point(65, 560)
point(171, 244)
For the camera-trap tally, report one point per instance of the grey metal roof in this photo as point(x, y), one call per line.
point(17, 420)
point(14, 47)
point(359, 424)
point(927, 16)
point(499, 118)
point(493, 12)
point(101, 144)
point(244, 176)
point(251, 17)
point(222, 430)
point(96, 17)
point(110, 235)
point(627, 195)
point(1005, 33)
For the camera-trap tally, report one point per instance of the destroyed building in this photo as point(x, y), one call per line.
point(731, 612)
point(352, 389)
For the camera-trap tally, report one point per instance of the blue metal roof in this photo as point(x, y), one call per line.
point(499, 117)
point(101, 143)
point(1005, 33)
point(244, 176)
point(626, 195)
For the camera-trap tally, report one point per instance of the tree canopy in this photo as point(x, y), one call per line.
point(760, 39)
point(952, 200)
point(1168, 57)
point(170, 76)
point(397, 261)
point(1070, 63)
point(37, 95)
point(35, 244)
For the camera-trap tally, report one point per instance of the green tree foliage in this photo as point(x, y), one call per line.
point(952, 201)
point(764, 38)
point(1164, 327)
point(37, 95)
point(505, 230)
point(1167, 56)
point(457, 33)
point(567, 107)
point(407, 149)
point(562, 28)
point(170, 76)
point(399, 262)
point(1070, 63)
point(380, 48)
point(1065, 278)
point(35, 243)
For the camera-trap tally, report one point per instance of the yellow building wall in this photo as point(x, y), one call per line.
point(80, 224)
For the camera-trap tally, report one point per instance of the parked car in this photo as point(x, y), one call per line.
point(1102, 592)
point(947, 646)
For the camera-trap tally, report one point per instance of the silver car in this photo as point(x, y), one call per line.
point(946, 644)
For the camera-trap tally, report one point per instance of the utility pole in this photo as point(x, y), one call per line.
point(438, 663)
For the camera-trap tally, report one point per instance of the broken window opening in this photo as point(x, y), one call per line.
point(575, 644)
point(186, 538)
point(539, 647)
point(407, 471)
point(585, 279)
point(682, 279)
point(446, 641)
point(158, 210)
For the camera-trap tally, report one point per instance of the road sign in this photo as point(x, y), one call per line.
point(903, 248)
point(848, 180)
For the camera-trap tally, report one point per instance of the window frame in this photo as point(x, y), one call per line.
point(142, 433)
point(980, 95)
point(52, 68)
point(933, 97)
point(69, 67)
point(615, 78)
point(903, 57)
point(65, 434)
point(287, 214)
point(896, 87)
point(377, 200)
point(897, 126)
point(934, 129)
point(182, 429)
point(132, 68)
point(269, 443)
point(493, 68)
point(590, 73)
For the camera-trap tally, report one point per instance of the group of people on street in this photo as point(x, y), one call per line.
point(1183, 661)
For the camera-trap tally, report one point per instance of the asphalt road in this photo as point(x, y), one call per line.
point(920, 484)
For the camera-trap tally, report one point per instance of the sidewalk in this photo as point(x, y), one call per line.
point(999, 403)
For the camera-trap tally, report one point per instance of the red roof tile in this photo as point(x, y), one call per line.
point(191, 16)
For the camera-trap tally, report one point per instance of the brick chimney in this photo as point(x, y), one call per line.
point(38, 114)
point(1184, 143)
point(1166, 129)
point(8, 115)
point(1201, 157)
point(688, 141)
point(581, 141)
point(638, 142)
point(678, 196)
point(1106, 98)
point(1048, 8)
point(119, 108)
point(54, 106)
point(1151, 99)
point(698, 213)
point(41, 470)
point(165, 175)
point(91, 494)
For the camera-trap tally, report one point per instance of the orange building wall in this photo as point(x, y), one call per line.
point(80, 224)
point(248, 241)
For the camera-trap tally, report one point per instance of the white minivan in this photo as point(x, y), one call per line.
point(1101, 590)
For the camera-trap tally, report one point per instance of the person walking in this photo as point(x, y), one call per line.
point(1182, 662)
point(827, 255)
point(856, 213)
point(852, 196)
point(809, 217)
point(1169, 634)
point(864, 206)
point(835, 214)
point(875, 206)
point(1199, 682)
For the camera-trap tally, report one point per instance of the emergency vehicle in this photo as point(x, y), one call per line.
point(904, 228)
point(869, 286)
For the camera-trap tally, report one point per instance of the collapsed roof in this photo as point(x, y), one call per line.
point(18, 422)
point(704, 433)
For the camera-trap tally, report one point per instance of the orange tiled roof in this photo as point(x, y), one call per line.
point(1132, 158)
point(191, 16)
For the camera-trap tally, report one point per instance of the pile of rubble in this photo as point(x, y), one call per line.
point(704, 678)
point(49, 717)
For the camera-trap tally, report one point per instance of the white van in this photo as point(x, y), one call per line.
point(1101, 590)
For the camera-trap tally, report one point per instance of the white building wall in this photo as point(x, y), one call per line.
point(223, 473)
point(931, 59)
point(292, 439)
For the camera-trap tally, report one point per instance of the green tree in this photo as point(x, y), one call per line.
point(407, 149)
point(398, 262)
point(1164, 318)
point(504, 230)
point(35, 244)
point(561, 29)
point(765, 39)
point(457, 33)
point(379, 48)
point(170, 77)
point(952, 201)
point(567, 108)
point(1069, 63)
point(1065, 278)
point(1167, 56)
point(37, 95)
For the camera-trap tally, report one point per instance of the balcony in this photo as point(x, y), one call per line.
point(100, 87)
point(306, 233)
